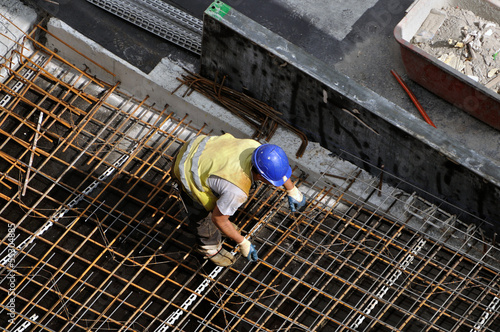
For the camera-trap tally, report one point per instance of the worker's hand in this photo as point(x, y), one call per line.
point(295, 199)
point(248, 250)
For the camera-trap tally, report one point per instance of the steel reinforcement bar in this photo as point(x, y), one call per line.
point(99, 241)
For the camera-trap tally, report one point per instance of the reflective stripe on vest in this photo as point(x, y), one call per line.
point(194, 165)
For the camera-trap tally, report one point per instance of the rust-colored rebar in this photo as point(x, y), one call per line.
point(261, 117)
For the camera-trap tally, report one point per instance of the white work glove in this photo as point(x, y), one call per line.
point(295, 199)
point(248, 250)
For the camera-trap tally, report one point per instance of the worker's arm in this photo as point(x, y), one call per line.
point(224, 225)
point(222, 222)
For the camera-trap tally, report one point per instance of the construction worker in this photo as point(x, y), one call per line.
point(216, 174)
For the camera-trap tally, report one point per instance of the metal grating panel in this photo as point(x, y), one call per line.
point(98, 240)
point(158, 18)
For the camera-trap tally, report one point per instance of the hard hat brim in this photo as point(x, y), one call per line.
point(281, 181)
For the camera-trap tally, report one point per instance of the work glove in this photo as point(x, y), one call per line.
point(295, 199)
point(222, 258)
point(248, 250)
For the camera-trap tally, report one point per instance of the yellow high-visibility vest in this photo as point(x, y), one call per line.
point(224, 156)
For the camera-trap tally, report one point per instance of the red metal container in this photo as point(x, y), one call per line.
point(439, 78)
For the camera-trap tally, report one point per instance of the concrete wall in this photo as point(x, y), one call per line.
point(340, 114)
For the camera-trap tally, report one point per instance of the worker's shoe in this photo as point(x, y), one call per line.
point(222, 258)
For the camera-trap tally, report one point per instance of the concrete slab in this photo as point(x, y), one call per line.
point(335, 18)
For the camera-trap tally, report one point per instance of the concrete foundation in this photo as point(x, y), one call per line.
point(340, 114)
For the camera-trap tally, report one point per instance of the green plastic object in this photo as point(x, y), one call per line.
point(218, 10)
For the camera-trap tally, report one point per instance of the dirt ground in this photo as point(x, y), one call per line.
point(464, 41)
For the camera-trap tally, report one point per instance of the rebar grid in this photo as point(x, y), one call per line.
point(101, 240)
point(326, 270)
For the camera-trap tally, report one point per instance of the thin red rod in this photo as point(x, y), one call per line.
point(413, 99)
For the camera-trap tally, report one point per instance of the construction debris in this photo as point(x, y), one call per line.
point(464, 41)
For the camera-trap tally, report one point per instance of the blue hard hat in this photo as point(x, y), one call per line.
point(272, 163)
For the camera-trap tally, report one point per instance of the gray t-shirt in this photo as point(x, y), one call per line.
point(230, 197)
